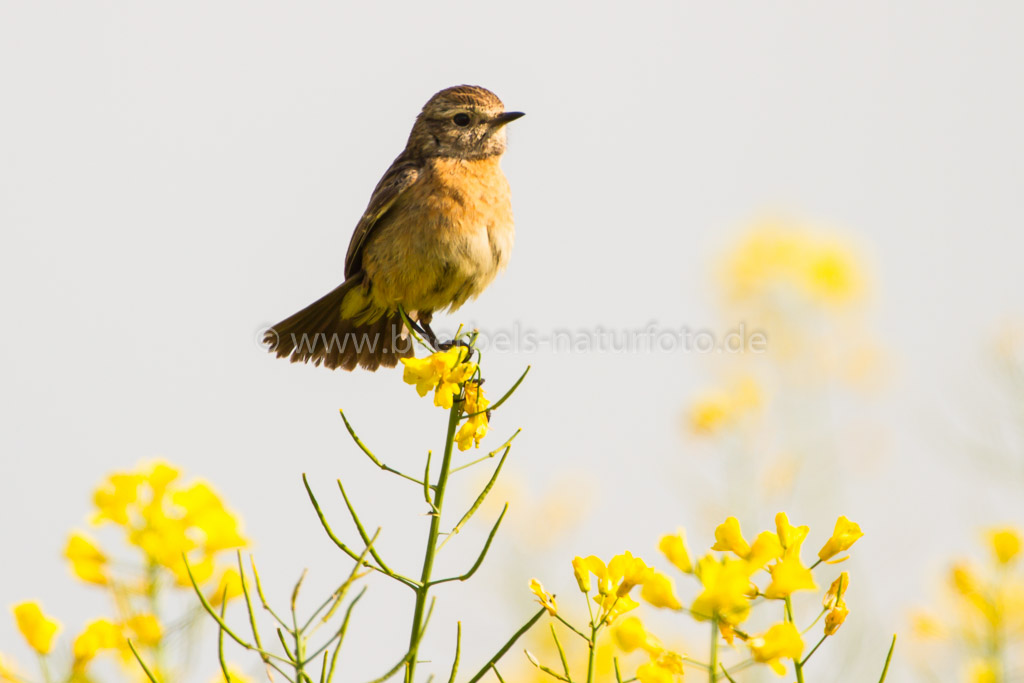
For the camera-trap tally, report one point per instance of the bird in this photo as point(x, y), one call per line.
point(436, 232)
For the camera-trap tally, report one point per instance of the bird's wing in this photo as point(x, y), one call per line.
point(397, 179)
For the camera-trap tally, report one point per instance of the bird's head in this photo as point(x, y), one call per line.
point(465, 122)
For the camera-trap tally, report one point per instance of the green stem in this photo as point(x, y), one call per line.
point(713, 664)
point(435, 527)
point(592, 646)
point(797, 664)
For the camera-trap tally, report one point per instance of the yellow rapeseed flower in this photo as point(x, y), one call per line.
point(1006, 544)
point(836, 591)
point(729, 537)
point(100, 634)
point(114, 496)
point(765, 548)
point(626, 571)
point(659, 591)
point(87, 561)
point(229, 579)
point(613, 606)
point(846, 533)
point(674, 548)
point(835, 617)
point(38, 629)
point(582, 569)
point(781, 641)
point(726, 589)
point(789, 575)
point(547, 600)
point(631, 635)
point(791, 537)
point(8, 674)
point(710, 412)
point(474, 429)
point(145, 628)
point(666, 667)
point(444, 372)
point(984, 671)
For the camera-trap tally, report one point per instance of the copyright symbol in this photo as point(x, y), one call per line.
point(266, 338)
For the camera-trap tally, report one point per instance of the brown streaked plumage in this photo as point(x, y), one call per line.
point(437, 230)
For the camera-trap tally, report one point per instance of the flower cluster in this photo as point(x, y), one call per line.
point(741, 575)
point(450, 375)
point(163, 522)
point(985, 605)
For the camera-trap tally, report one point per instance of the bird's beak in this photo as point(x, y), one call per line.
point(505, 118)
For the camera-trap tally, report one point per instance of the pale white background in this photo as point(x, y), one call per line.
point(173, 176)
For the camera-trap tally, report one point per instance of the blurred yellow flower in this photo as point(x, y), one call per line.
point(789, 575)
point(547, 600)
point(659, 591)
point(444, 372)
point(729, 537)
point(666, 667)
point(846, 533)
point(726, 590)
point(114, 496)
point(236, 676)
point(145, 629)
point(1006, 544)
point(8, 674)
point(983, 671)
point(98, 635)
point(714, 409)
point(231, 581)
point(631, 635)
point(674, 548)
point(87, 561)
point(626, 571)
point(776, 258)
point(781, 641)
point(38, 629)
point(474, 429)
point(613, 606)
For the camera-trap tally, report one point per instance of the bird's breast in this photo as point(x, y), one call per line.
point(448, 237)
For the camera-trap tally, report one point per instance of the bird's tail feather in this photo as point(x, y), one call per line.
point(319, 334)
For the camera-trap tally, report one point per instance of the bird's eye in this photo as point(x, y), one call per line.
point(461, 119)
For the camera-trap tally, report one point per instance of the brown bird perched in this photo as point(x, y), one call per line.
point(437, 230)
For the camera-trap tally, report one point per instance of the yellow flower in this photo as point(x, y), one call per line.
point(626, 571)
point(114, 496)
point(789, 575)
point(234, 673)
point(835, 617)
point(666, 667)
point(845, 535)
point(727, 590)
point(204, 511)
point(87, 561)
point(38, 629)
point(710, 412)
point(230, 580)
point(836, 591)
point(443, 372)
point(791, 537)
point(1006, 544)
point(613, 606)
point(145, 628)
point(766, 547)
point(100, 634)
point(631, 635)
point(729, 537)
point(983, 671)
point(8, 674)
point(659, 591)
point(474, 428)
point(926, 625)
point(674, 548)
point(581, 569)
point(778, 642)
point(547, 600)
